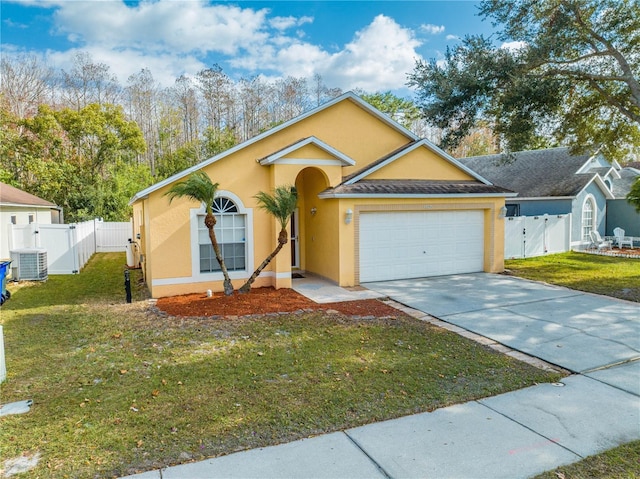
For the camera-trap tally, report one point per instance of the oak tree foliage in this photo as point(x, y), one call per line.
point(567, 73)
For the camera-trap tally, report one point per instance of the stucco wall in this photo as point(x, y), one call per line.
point(328, 246)
point(421, 163)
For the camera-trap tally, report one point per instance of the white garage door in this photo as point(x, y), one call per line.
point(397, 245)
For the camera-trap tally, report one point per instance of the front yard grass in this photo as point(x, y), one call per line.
point(117, 389)
point(610, 276)
point(622, 462)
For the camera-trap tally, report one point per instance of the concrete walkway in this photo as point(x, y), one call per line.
point(323, 291)
point(513, 435)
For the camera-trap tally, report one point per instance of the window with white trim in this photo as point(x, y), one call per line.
point(588, 213)
point(230, 230)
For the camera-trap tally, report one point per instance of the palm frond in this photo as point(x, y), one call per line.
point(281, 204)
point(198, 186)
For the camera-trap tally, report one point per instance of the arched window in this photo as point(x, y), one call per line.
point(588, 218)
point(231, 235)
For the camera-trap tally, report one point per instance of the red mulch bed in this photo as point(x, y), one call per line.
point(264, 301)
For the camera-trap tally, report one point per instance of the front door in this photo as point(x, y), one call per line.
point(295, 244)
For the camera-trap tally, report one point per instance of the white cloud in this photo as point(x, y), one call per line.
point(432, 29)
point(378, 58)
point(172, 38)
point(164, 67)
point(513, 46)
point(452, 37)
point(283, 23)
point(162, 26)
point(11, 24)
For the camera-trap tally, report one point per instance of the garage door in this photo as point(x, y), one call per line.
point(397, 245)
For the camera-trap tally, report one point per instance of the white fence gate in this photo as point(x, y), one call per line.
point(112, 237)
point(527, 236)
point(69, 247)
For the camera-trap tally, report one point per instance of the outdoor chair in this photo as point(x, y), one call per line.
point(621, 239)
point(598, 242)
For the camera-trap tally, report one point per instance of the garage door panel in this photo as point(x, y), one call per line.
point(396, 245)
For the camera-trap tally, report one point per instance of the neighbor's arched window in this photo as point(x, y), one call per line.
point(588, 218)
point(231, 234)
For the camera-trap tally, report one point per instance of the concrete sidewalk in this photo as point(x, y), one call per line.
point(513, 435)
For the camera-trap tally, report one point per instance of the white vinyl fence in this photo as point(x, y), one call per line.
point(527, 236)
point(70, 246)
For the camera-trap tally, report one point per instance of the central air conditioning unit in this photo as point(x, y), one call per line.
point(29, 264)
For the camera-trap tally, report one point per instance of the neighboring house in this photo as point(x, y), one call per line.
point(375, 203)
point(19, 207)
point(619, 211)
point(554, 182)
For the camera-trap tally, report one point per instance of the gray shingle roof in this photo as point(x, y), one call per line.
point(622, 185)
point(534, 174)
point(414, 187)
point(15, 196)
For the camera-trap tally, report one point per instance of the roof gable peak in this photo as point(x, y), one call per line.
point(399, 153)
point(283, 156)
point(348, 96)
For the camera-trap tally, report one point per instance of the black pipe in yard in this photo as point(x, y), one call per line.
point(127, 285)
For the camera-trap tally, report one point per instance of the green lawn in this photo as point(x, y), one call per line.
point(617, 277)
point(619, 463)
point(117, 389)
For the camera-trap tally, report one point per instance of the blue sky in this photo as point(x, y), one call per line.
point(371, 45)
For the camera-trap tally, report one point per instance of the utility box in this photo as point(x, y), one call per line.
point(29, 264)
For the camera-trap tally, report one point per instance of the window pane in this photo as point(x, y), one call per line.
point(227, 236)
point(230, 231)
point(227, 221)
point(205, 258)
point(587, 220)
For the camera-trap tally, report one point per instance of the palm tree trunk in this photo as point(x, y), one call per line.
point(210, 222)
point(283, 238)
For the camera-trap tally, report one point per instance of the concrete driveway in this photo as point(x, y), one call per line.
point(578, 331)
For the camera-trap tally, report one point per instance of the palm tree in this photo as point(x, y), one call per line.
point(280, 205)
point(199, 187)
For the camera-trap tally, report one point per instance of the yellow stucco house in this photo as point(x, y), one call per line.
point(375, 203)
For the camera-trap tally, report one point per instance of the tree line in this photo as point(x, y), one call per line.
point(84, 141)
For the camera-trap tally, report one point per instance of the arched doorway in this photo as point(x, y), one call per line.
point(310, 218)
